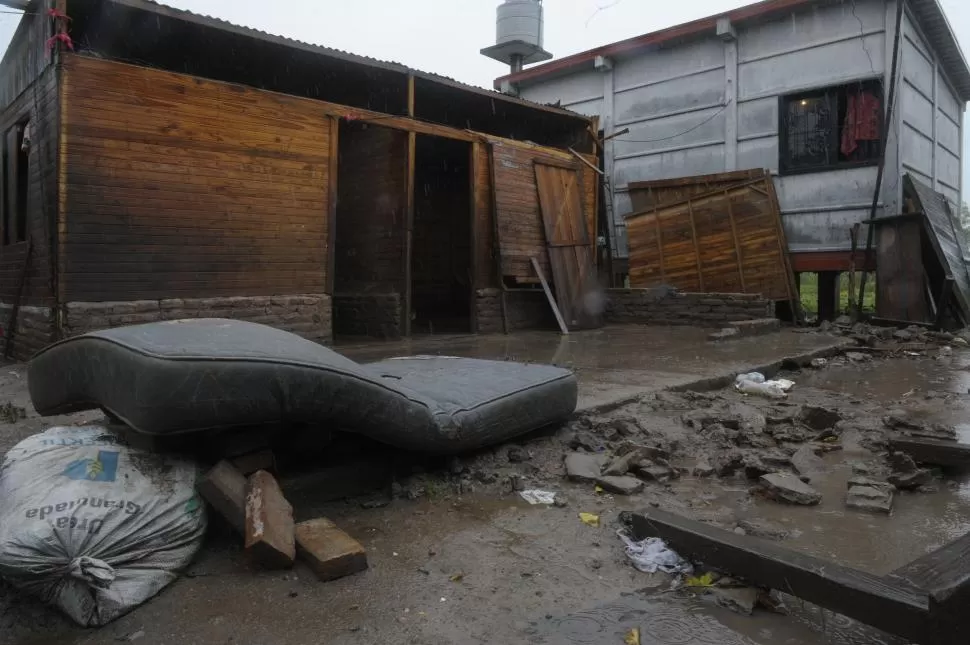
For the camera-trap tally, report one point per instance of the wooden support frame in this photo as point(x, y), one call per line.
point(737, 245)
point(923, 602)
point(406, 306)
point(697, 248)
point(497, 239)
point(332, 206)
point(549, 297)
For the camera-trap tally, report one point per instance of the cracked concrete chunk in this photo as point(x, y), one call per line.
point(581, 467)
point(870, 498)
point(624, 485)
point(741, 600)
point(784, 487)
point(818, 418)
point(807, 463)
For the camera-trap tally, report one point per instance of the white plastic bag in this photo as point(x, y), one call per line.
point(93, 526)
point(653, 554)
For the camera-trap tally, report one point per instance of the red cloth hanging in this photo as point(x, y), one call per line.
point(861, 121)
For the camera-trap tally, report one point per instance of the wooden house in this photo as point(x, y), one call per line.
point(158, 164)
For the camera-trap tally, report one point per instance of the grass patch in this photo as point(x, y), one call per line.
point(809, 292)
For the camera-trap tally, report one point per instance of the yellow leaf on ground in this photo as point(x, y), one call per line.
point(589, 519)
point(632, 637)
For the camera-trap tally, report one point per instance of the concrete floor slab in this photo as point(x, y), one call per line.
point(618, 362)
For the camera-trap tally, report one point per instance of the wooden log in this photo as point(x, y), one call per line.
point(869, 599)
point(934, 451)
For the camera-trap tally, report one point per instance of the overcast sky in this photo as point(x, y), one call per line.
point(444, 36)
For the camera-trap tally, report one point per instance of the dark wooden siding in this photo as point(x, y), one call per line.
point(38, 104)
point(483, 234)
point(176, 186)
point(372, 189)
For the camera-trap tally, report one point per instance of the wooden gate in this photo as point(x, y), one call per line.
point(568, 242)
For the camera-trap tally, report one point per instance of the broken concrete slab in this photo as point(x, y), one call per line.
point(910, 481)
point(807, 463)
point(870, 498)
point(703, 467)
point(582, 467)
point(328, 551)
point(224, 487)
point(754, 467)
point(269, 528)
point(654, 471)
point(788, 488)
point(818, 418)
point(587, 441)
point(623, 485)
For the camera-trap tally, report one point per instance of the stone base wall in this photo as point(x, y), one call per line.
point(305, 315)
point(665, 306)
point(525, 310)
point(33, 331)
point(372, 315)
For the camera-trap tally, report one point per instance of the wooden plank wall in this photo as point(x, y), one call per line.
point(182, 187)
point(722, 242)
point(519, 216)
point(644, 195)
point(372, 200)
point(38, 103)
point(483, 233)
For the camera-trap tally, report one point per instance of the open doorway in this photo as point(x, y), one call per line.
point(369, 246)
point(441, 251)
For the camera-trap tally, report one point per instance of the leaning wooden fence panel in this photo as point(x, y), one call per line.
point(730, 240)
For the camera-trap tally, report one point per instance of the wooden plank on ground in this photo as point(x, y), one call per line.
point(934, 451)
point(552, 300)
point(567, 242)
point(870, 599)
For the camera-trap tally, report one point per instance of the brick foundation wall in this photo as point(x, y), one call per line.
point(305, 315)
point(525, 309)
point(374, 315)
point(664, 306)
point(33, 332)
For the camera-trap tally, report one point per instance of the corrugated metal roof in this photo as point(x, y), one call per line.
point(930, 14)
point(393, 66)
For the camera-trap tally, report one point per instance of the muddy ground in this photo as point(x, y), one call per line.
point(457, 556)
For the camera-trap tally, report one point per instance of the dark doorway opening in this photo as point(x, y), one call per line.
point(441, 248)
point(369, 242)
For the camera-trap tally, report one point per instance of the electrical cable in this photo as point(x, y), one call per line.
point(680, 134)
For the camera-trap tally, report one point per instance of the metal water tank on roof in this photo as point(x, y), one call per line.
point(520, 20)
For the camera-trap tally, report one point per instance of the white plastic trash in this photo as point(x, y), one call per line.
point(535, 496)
point(753, 377)
point(768, 389)
point(93, 526)
point(652, 555)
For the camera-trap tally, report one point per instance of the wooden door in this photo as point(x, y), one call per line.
point(568, 243)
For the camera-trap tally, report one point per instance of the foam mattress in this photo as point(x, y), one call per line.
point(189, 376)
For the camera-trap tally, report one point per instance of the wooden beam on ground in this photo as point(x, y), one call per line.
point(934, 451)
point(870, 599)
point(552, 299)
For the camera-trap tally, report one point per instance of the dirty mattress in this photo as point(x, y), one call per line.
point(187, 376)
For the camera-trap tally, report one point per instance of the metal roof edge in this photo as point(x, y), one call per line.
point(390, 66)
point(928, 12)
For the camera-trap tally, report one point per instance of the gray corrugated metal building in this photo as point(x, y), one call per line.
point(769, 85)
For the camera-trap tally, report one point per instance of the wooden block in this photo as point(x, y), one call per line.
point(224, 488)
point(329, 551)
point(270, 539)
